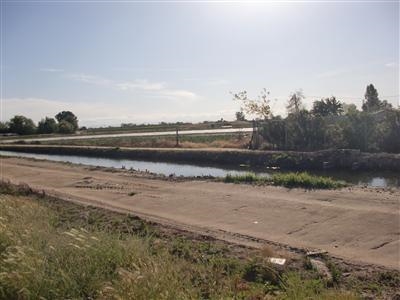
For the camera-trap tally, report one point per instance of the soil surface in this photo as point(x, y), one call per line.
point(356, 224)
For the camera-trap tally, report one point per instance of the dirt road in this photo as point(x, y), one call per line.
point(356, 224)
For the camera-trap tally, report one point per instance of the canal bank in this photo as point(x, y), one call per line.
point(353, 223)
point(343, 159)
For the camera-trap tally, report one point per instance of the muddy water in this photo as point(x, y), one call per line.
point(371, 179)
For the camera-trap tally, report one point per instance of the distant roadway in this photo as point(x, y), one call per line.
point(111, 135)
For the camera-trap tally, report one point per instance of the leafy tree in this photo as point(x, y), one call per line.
point(388, 132)
point(372, 102)
point(3, 127)
point(327, 107)
point(376, 128)
point(65, 127)
point(349, 108)
point(273, 131)
point(47, 125)
point(295, 103)
point(69, 117)
point(259, 107)
point(386, 105)
point(22, 125)
point(305, 131)
point(359, 130)
point(240, 116)
point(334, 138)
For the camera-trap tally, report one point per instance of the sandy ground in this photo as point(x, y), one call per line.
point(360, 225)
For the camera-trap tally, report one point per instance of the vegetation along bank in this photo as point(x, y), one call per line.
point(124, 257)
point(288, 160)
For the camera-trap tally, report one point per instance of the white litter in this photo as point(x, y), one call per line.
point(277, 261)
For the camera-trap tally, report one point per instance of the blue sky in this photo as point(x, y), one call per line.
point(113, 63)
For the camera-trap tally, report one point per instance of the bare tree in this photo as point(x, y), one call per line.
point(295, 103)
point(259, 107)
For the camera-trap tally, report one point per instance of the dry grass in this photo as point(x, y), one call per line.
point(267, 252)
point(238, 140)
point(41, 260)
point(56, 250)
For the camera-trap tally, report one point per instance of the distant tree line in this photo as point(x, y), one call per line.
point(64, 122)
point(329, 124)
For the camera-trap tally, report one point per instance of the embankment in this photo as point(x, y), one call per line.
point(288, 160)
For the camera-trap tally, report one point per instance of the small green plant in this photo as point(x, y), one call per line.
point(248, 178)
point(296, 287)
point(260, 271)
point(290, 180)
point(335, 271)
point(391, 278)
point(307, 264)
point(305, 180)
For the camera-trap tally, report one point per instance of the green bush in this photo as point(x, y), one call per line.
point(290, 180)
point(65, 127)
point(248, 177)
point(305, 180)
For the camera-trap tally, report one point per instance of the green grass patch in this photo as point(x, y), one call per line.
point(51, 249)
point(306, 180)
point(290, 180)
point(246, 178)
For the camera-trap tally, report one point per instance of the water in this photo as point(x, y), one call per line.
point(371, 179)
point(154, 167)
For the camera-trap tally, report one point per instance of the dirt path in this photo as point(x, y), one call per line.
point(357, 224)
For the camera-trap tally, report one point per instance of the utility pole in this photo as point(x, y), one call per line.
point(253, 136)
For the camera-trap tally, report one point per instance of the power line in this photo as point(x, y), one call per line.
point(345, 97)
point(354, 97)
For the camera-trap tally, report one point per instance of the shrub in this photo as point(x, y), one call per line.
point(248, 177)
point(290, 180)
point(65, 127)
point(21, 125)
point(305, 180)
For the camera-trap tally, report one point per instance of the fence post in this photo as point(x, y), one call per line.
point(285, 126)
point(177, 138)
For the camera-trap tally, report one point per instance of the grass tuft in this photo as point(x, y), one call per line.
point(247, 178)
point(306, 180)
point(290, 180)
point(51, 249)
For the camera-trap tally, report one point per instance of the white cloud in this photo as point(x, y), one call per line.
point(37, 108)
point(140, 84)
point(177, 94)
point(102, 114)
point(391, 65)
point(52, 70)
point(217, 81)
point(91, 79)
point(146, 69)
point(209, 81)
point(332, 73)
point(154, 89)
